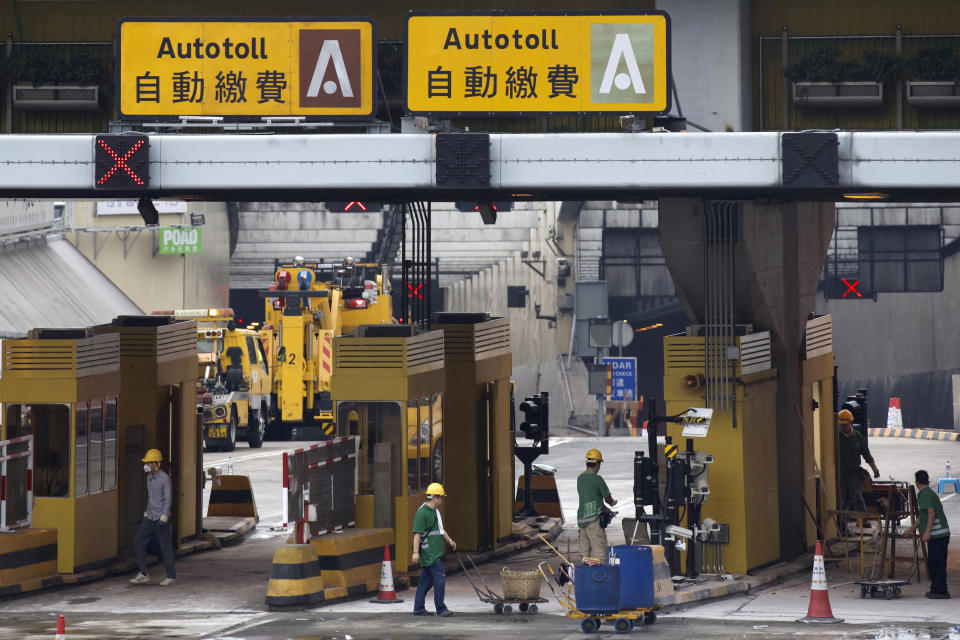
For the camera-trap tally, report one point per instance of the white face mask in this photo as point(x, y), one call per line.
point(147, 468)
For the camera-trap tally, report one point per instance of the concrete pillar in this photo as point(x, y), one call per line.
point(778, 256)
point(716, 90)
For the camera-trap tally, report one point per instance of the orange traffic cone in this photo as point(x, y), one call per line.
point(386, 595)
point(61, 629)
point(819, 609)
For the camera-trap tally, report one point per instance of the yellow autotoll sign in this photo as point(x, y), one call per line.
point(496, 63)
point(245, 68)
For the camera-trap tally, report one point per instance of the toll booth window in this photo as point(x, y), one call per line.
point(96, 446)
point(50, 426)
point(425, 444)
point(436, 437)
point(414, 444)
point(374, 423)
point(82, 444)
point(110, 444)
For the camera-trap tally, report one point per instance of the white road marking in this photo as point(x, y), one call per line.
point(253, 456)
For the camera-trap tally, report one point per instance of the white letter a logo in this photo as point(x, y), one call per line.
point(331, 51)
point(621, 49)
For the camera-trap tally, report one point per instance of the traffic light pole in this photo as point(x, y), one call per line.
point(536, 408)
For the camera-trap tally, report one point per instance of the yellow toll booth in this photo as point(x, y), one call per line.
point(158, 400)
point(388, 385)
point(744, 488)
point(61, 386)
point(480, 447)
point(94, 401)
point(742, 439)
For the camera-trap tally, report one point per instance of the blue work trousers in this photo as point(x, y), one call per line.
point(433, 576)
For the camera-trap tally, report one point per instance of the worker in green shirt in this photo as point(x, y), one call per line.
point(428, 537)
point(935, 532)
point(852, 445)
point(593, 492)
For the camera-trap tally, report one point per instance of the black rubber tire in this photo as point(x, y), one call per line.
point(230, 443)
point(524, 607)
point(498, 608)
point(588, 625)
point(256, 428)
point(623, 625)
point(896, 592)
point(863, 591)
point(507, 609)
point(650, 617)
point(532, 609)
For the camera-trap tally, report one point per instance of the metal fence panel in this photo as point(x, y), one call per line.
point(320, 486)
point(16, 480)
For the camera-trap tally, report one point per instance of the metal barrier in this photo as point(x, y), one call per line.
point(319, 487)
point(16, 483)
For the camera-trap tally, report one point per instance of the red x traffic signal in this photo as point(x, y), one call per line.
point(122, 162)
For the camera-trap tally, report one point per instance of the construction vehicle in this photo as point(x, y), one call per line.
point(308, 304)
point(233, 379)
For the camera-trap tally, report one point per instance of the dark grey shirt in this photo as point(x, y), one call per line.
point(159, 495)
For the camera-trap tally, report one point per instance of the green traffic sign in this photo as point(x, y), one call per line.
point(180, 240)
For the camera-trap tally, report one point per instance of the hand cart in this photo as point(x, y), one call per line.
point(489, 596)
point(623, 621)
point(887, 588)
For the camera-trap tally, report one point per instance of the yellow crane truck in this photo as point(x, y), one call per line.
point(233, 380)
point(308, 304)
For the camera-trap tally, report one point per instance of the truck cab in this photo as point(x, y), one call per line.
point(233, 381)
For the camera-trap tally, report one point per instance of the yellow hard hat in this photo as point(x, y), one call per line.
point(594, 455)
point(845, 416)
point(435, 489)
point(153, 455)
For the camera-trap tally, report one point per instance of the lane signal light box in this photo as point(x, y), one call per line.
point(122, 162)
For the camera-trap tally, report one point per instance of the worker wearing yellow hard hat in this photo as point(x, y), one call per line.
point(851, 446)
point(156, 520)
point(593, 492)
point(428, 538)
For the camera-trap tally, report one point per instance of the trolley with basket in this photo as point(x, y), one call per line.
point(520, 588)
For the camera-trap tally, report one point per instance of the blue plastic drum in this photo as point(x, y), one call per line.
point(636, 575)
point(597, 589)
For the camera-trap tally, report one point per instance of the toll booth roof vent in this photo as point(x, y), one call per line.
point(460, 318)
point(142, 321)
point(384, 331)
point(59, 334)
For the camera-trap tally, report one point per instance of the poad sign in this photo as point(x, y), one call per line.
point(245, 68)
point(175, 240)
point(499, 63)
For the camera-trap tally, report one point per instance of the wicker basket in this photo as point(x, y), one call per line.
point(521, 585)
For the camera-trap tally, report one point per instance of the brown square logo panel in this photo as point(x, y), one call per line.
point(330, 68)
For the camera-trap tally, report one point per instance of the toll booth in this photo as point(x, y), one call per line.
point(480, 448)
point(158, 400)
point(61, 386)
point(388, 386)
point(742, 437)
point(820, 486)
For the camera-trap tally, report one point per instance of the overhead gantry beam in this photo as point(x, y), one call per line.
point(800, 166)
